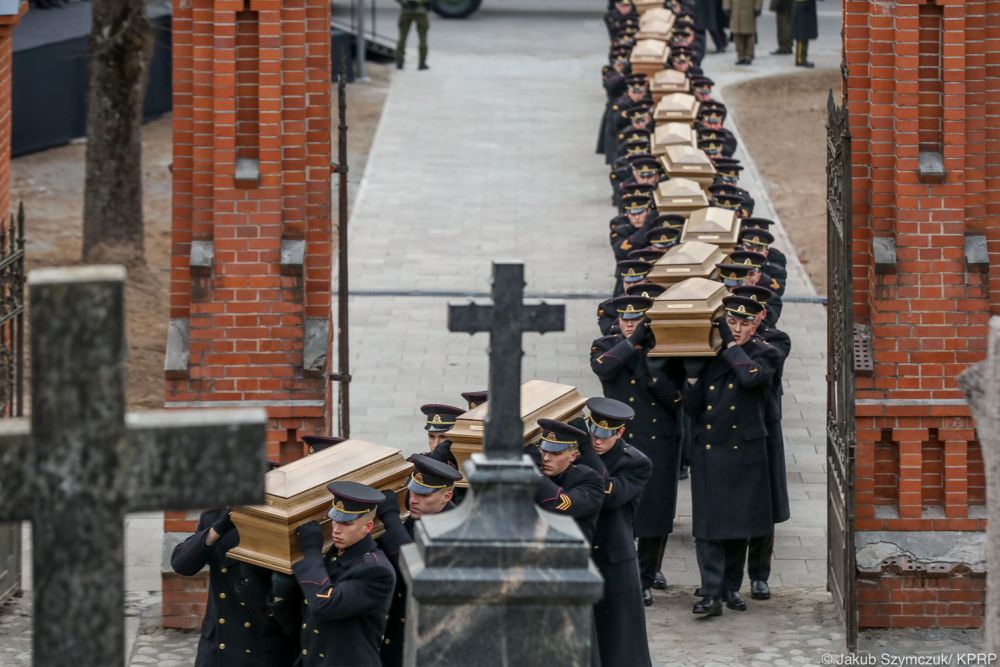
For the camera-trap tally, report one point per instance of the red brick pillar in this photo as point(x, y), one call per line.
point(923, 93)
point(7, 25)
point(252, 238)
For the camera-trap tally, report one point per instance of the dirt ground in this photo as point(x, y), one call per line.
point(788, 143)
point(50, 183)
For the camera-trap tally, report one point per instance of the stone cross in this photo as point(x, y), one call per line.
point(981, 384)
point(497, 581)
point(82, 463)
point(506, 318)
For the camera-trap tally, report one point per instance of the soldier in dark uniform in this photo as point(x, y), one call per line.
point(760, 548)
point(238, 628)
point(783, 20)
point(637, 96)
point(774, 255)
point(439, 420)
point(759, 241)
point(727, 170)
point(711, 115)
point(618, 16)
point(804, 28)
point(607, 315)
point(768, 274)
point(430, 492)
point(727, 397)
point(651, 388)
point(475, 398)
point(638, 214)
point(613, 78)
point(317, 443)
point(618, 615)
point(346, 593)
point(565, 487)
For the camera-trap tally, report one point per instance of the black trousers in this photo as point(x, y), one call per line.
point(759, 550)
point(721, 565)
point(650, 551)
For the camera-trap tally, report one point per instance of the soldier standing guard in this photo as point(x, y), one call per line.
point(238, 628)
point(431, 486)
point(618, 616)
point(783, 20)
point(346, 593)
point(742, 15)
point(439, 420)
point(651, 389)
point(413, 11)
point(804, 28)
point(727, 398)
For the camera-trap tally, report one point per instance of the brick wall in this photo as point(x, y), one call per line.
point(250, 274)
point(7, 25)
point(922, 79)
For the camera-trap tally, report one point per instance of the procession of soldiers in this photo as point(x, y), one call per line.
point(616, 469)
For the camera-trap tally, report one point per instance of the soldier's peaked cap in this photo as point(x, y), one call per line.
point(440, 417)
point(318, 443)
point(757, 293)
point(633, 270)
point(757, 223)
point(352, 500)
point(760, 237)
point(475, 398)
point(748, 258)
point(664, 235)
point(558, 436)
point(742, 307)
point(430, 475)
point(648, 290)
point(631, 307)
point(607, 416)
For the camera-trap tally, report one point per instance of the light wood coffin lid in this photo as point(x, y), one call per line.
point(673, 134)
point(539, 398)
point(713, 224)
point(686, 260)
point(656, 15)
point(681, 107)
point(681, 319)
point(650, 51)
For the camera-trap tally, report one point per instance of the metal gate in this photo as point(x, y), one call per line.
point(840, 373)
point(11, 375)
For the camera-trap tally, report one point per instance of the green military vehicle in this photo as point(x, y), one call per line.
point(455, 9)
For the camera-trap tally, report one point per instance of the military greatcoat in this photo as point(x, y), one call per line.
point(730, 472)
point(577, 492)
point(345, 601)
point(772, 420)
point(652, 391)
point(619, 615)
point(238, 628)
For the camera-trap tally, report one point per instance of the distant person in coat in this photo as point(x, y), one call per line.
point(742, 15)
point(783, 21)
point(413, 12)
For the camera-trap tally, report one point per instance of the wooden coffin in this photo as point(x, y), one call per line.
point(539, 398)
point(718, 226)
point(656, 15)
point(693, 259)
point(296, 493)
point(688, 162)
point(666, 82)
point(643, 6)
point(676, 107)
point(682, 316)
point(672, 134)
point(649, 56)
point(661, 30)
point(679, 195)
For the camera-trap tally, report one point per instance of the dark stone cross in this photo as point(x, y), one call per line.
point(506, 318)
point(496, 581)
point(82, 463)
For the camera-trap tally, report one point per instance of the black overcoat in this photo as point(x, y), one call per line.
point(730, 473)
point(780, 508)
point(619, 615)
point(626, 375)
point(238, 628)
point(804, 22)
point(578, 492)
point(346, 600)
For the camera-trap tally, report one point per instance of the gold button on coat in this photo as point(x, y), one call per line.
point(246, 624)
point(222, 596)
point(222, 647)
point(222, 621)
point(708, 446)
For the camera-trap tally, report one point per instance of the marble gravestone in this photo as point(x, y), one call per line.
point(496, 581)
point(80, 464)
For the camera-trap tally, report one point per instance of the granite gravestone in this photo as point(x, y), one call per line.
point(81, 463)
point(981, 384)
point(497, 581)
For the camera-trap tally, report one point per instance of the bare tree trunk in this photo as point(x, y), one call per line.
point(120, 44)
point(981, 384)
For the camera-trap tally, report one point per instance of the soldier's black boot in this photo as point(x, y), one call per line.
point(708, 606)
point(735, 601)
point(802, 54)
point(424, 65)
point(647, 597)
point(659, 581)
point(759, 590)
